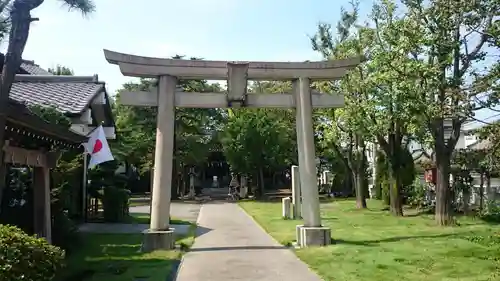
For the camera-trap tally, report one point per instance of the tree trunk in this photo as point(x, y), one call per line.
point(443, 214)
point(488, 190)
point(396, 203)
point(481, 191)
point(386, 191)
point(466, 201)
point(356, 162)
point(261, 181)
point(18, 36)
point(393, 153)
point(366, 188)
point(360, 194)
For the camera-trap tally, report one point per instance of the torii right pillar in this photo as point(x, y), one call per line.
point(311, 233)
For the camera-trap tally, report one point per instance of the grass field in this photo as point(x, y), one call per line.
point(117, 257)
point(374, 246)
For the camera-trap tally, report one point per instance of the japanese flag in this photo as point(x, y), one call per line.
point(98, 149)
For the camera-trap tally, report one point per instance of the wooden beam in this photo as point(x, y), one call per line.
point(140, 66)
point(34, 158)
point(219, 100)
point(22, 156)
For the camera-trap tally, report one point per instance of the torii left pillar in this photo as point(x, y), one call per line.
point(160, 235)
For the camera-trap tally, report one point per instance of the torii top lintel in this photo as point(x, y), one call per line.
point(139, 66)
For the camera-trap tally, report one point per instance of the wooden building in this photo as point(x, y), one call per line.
point(35, 145)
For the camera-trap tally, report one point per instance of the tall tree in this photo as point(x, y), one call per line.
point(19, 21)
point(350, 129)
point(376, 106)
point(440, 46)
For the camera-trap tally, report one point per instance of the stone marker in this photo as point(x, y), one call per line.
point(327, 177)
point(244, 187)
point(296, 200)
point(191, 186)
point(298, 230)
point(286, 204)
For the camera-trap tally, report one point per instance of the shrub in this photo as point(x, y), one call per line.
point(115, 204)
point(65, 232)
point(492, 212)
point(27, 258)
point(417, 193)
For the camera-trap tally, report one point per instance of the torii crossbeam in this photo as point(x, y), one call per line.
point(166, 97)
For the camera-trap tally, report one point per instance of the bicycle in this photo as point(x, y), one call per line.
point(233, 194)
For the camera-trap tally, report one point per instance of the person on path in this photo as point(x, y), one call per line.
point(234, 185)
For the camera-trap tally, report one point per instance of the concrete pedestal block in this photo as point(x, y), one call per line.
point(286, 208)
point(158, 240)
point(314, 236)
point(298, 235)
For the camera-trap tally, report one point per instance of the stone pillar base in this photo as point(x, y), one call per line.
point(298, 235)
point(308, 236)
point(158, 240)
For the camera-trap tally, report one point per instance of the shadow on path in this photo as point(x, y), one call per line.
point(237, 248)
point(200, 230)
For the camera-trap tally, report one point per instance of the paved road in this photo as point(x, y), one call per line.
point(231, 246)
point(182, 211)
point(178, 210)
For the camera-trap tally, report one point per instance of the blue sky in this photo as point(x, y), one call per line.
point(212, 29)
point(273, 30)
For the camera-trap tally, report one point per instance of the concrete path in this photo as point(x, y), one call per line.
point(231, 246)
point(178, 210)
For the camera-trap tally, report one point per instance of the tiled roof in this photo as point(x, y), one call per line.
point(69, 94)
point(33, 69)
point(20, 115)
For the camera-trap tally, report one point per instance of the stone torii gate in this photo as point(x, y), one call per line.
point(167, 96)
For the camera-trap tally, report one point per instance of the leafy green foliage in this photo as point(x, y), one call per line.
point(416, 193)
point(115, 203)
point(258, 138)
point(137, 128)
point(51, 115)
point(425, 75)
point(61, 70)
point(24, 257)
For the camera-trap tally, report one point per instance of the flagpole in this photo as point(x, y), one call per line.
point(84, 184)
point(84, 178)
point(100, 153)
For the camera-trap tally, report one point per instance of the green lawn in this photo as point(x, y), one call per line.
point(117, 257)
point(374, 246)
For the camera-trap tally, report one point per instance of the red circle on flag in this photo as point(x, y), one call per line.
point(97, 146)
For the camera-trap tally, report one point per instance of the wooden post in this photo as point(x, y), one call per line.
point(41, 192)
